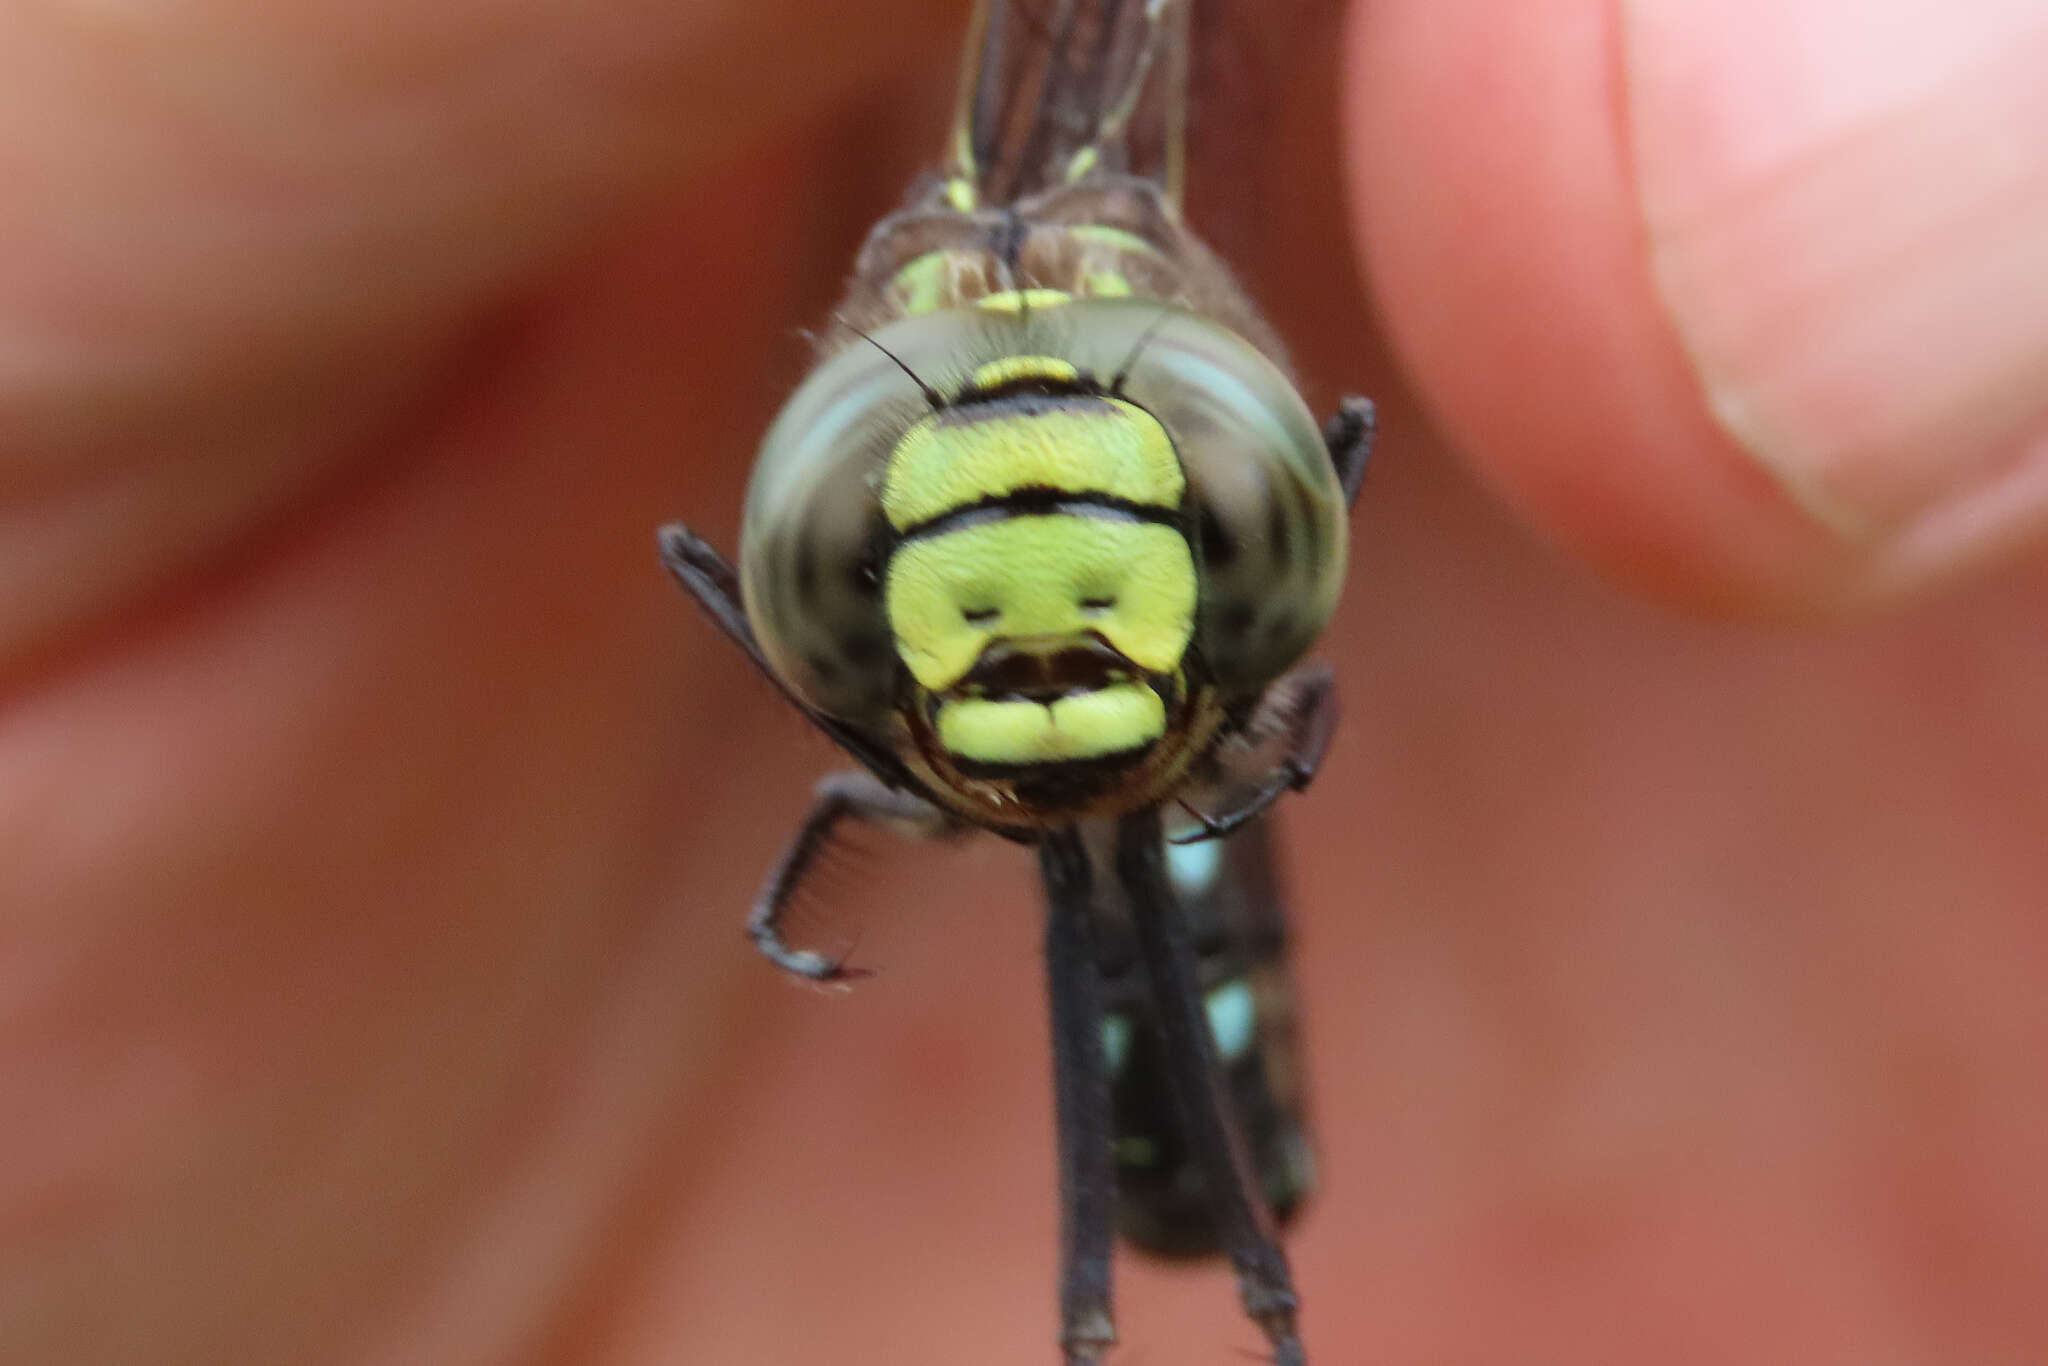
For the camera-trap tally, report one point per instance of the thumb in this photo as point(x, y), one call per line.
point(1746, 300)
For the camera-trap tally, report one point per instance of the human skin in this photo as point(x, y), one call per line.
point(376, 820)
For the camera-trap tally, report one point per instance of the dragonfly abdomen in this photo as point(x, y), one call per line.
point(1231, 897)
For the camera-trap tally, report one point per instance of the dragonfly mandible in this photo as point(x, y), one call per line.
point(1040, 543)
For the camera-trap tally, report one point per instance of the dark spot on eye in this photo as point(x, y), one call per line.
point(979, 616)
point(1218, 549)
point(863, 571)
point(864, 650)
point(806, 573)
point(1098, 604)
point(824, 666)
point(1235, 619)
point(1313, 551)
point(1279, 533)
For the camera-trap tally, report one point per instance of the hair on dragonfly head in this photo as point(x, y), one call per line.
point(931, 395)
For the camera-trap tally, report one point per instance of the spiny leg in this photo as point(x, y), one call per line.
point(1348, 436)
point(1193, 1078)
point(1082, 1102)
point(837, 797)
point(705, 575)
point(699, 568)
point(1302, 708)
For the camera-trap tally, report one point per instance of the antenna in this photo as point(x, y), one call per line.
point(1116, 385)
point(931, 395)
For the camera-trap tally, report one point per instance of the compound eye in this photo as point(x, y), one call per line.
point(1269, 514)
point(815, 544)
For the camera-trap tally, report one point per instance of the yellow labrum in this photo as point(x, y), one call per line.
point(1082, 726)
point(1039, 578)
point(1097, 445)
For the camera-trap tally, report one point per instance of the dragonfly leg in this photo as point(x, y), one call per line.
point(1348, 435)
point(1192, 1076)
point(701, 570)
point(1301, 707)
point(1081, 1102)
point(708, 578)
point(838, 797)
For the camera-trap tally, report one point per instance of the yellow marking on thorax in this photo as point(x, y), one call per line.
point(955, 277)
point(925, 283)
point(1018, 300)
point(1104, 250)
point(1118, 239)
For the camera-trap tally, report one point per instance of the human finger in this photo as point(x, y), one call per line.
point(244, 239)
point(1747, 303)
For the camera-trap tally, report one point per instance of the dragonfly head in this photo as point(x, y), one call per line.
point(1044, 585)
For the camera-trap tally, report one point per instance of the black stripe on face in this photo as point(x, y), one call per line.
point(1043, 502)
point(1028, 396)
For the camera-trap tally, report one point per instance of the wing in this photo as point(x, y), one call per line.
point(1054, 88)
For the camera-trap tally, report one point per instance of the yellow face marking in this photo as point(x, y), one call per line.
point(1018, 300)
point(1041, 577)
point(1010, 368)
point(1103, 446)
point(1082, 726)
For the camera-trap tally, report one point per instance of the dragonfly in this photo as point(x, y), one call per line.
point(1040, 543)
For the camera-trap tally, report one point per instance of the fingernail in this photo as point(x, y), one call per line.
point(1846, 204)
